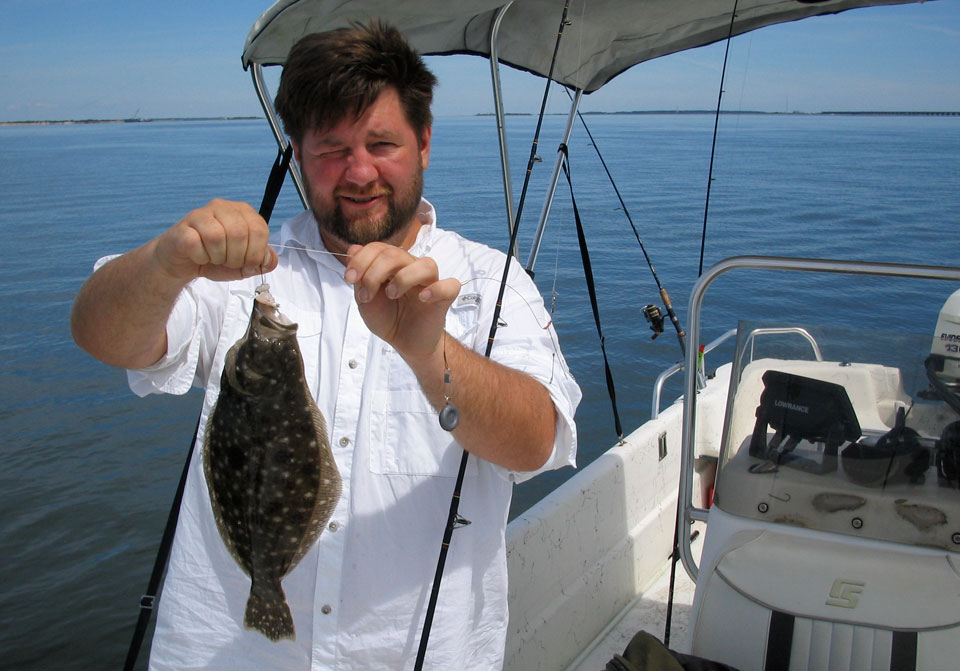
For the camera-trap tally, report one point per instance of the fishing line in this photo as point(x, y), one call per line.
point(533, 313)
point(453, 516)
point(463, 283)
point(545, 326)
point(308, 249)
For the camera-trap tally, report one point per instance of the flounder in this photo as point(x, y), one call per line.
point(272, 477)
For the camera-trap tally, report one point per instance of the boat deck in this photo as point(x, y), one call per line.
point(647, 612)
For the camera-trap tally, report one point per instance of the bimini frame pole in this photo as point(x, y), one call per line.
point(501, 124)
point(554, 179)
point(266, 102)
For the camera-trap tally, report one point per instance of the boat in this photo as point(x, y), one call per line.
point(808, 490)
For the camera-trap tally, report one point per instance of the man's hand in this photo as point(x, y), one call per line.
point(121, 311)
point(401, 297)
point(506, 417)
point(223, 240)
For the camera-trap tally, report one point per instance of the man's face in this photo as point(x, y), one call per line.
point(364, 177)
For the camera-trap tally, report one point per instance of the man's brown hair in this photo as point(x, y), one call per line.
point(331, 75)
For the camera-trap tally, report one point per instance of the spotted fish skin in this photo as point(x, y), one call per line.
point(271, 474)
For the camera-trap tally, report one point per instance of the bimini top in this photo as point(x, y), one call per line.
point(602, 39)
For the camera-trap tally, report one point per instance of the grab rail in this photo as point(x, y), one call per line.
point(776, 330)
point(677, 367)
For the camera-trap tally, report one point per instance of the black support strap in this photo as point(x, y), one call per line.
point(903, 651)
point(592, 290)
point(779, 642)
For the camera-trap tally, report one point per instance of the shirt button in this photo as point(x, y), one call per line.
point(353, 363)
point(325, 609)
point(344, 441)
point(334, 526)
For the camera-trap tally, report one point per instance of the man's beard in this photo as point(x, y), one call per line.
point(401, 208)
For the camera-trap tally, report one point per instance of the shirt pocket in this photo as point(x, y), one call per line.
point(407, 438)
point(410, 440)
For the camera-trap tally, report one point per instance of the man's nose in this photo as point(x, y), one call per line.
point(360, 167)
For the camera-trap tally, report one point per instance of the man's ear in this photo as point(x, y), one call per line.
point(424, 147)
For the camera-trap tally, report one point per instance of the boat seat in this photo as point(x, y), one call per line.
point(795, 600)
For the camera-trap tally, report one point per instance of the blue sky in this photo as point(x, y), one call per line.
point(104, 59)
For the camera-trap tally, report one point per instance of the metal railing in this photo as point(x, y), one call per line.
point(676, 368)
point(774, 330)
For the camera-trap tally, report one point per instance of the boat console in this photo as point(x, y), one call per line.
point(834, 539)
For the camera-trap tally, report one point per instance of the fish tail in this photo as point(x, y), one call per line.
point(268, 612)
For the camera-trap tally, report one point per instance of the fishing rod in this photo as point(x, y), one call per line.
point(713, 144)
point(149, 598)
point(675, 555)
point(651, 312)
point(454, 519)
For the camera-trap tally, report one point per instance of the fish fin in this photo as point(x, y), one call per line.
point(215, 504)
point(268, 612)
point(230, 365)
point(329, 487)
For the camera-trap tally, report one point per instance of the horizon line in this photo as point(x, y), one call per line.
point(40, 122)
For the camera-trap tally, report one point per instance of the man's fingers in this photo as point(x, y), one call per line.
point(373, 267)
point(225, 239)
point(378, 266)
point(420, 273)
point(444, 291)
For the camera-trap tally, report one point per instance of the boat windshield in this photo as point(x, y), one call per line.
point(837, 430)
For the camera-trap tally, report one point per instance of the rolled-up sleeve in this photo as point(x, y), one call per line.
point(526, 341)
point(565, 394)
point(176, 371)
point(193, 332)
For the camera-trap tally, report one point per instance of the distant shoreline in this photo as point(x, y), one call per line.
point(68, 122)
point(741, 112)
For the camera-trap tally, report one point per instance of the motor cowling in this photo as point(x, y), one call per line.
point(945, 349)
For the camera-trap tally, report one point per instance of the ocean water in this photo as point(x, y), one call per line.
point(88, 470)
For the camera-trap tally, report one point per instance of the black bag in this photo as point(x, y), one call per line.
point(646, 653)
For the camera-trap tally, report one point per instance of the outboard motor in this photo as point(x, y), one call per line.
point(945, 349)
point(943, 372)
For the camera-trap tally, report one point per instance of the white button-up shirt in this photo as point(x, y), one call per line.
point(359, 595)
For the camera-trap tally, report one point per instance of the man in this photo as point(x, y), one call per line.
point(378, 328)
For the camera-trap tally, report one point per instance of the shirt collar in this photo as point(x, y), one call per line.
point(427, 215)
